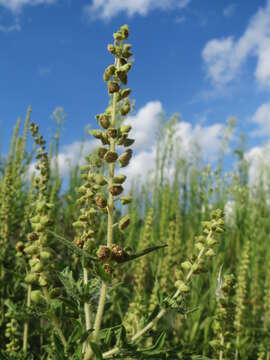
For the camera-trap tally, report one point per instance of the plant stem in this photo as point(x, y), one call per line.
point(110, 208)
point(26, 323)
point(86, 309)
point(162, 312)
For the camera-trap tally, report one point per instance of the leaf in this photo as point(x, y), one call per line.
point(86, 334)
point(157, 347)
point(73, 248)
point(143, 253)
point(96, 350)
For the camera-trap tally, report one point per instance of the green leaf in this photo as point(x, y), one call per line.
point(96, 350)
point(143, 252)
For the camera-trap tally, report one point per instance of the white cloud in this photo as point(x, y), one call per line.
point(262, 119)
point(10, 28)
point(229, 10)
point(16, 5)
point(145, 126)
point(224, 57)
point(258, 158)
point(106, 9)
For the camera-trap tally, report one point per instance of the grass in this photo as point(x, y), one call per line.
point(95, 272)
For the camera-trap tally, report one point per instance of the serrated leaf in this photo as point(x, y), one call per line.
point(96, 350)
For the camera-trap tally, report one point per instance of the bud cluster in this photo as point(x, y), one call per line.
point(36, 249)
point(223, 326)
point(205, 249)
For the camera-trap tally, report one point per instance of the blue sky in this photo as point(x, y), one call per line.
point(208, 60)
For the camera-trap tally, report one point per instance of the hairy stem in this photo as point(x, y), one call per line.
point(86, 309)
point(26, 323)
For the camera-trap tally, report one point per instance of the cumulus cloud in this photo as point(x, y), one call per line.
point(258, 158)
point(107, 9)
point(224, 57)
point(145, 126)
point(262, 119)
point(16, 5)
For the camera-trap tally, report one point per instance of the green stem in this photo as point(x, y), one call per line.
point(160, 315)
point(26, 323)
point(86, 309)
point(110, 208)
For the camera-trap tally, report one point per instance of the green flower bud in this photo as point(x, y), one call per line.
point(104, 120)
point(211, 242)
point(42, 281)
point(36, 297)
point(98, 134)
point(45, 255)
point(32, 236)
point(186, 265)
point(101, 152)
point(31, 278)
point(31, 249)
point(181, 286)
point(100, 180)
point(119, 179)
point(125, 109)
point(37, 267)
point(19, 246)
point(124, 222)
point(111, 156)
point(118, 36)
point(210, 253)
point(111, 48)
point(124, 29)
point(199, 246)
point(129, 142)
point(125, 129)
point(124, 93)
point(126, 200)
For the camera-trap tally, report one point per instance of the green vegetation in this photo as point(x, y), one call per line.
point(97, 272)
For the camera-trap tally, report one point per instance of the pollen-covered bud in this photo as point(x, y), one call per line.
point(181, 286)
point(100, 180)
point(108, 269)
point(110, 70)
point(119, 179)
point(124, 29)
point(119, 255)
point(111, 156)
point(116, 190)
point(104, 120)
point(118, 36)
point(128, 142)
point(34, 129)
point(104, 253)
point(19, 246)
point(125, 93)
point(112, 133)
point(111, 48)
point(101, 201)
point(124, 222)
point(101, 152)
point(125, 157)
point(126, 200)
point(126, 53)
point(125, 109)
point(113, 87)
point(79, 242)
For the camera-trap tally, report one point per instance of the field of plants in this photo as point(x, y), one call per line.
point(173, 267)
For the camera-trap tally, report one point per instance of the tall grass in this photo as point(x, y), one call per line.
point(78, 283)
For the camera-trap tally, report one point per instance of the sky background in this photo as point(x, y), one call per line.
point(207, 60)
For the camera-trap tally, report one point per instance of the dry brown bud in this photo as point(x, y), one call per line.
point(104, 253)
